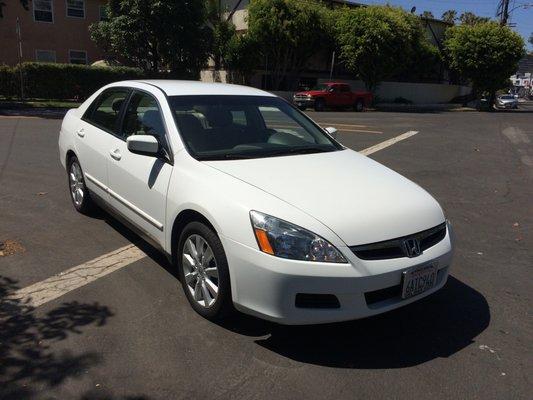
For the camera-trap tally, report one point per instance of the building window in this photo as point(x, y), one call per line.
point(45, 56)
point(76, 8)
point(77, 56)
point(103, 13)
point(43, 11)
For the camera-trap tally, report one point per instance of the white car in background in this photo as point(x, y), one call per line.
point(258, 207)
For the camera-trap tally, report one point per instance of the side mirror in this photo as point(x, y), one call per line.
point(146, 145)
point(332, 131)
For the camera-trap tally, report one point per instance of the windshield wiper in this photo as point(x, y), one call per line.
point(215, 157)
point(297, 150)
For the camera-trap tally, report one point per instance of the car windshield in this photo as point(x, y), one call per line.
point(507, 97)
point(239, 127)
point(321, 87)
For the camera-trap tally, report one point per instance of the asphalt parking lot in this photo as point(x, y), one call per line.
point(131, 334)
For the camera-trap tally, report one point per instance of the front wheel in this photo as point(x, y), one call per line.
point(204, 272)
point(320, 105)
point(78, 191)
point(359, 105)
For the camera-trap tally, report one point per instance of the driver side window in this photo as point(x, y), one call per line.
point(143, 117)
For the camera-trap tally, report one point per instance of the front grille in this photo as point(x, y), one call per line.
point(395, 248)
point(300, 97)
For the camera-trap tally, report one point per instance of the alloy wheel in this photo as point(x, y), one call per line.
point(77, 187)
point(200, 270)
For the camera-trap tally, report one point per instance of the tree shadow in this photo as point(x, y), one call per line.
point(438, 326)
point(27, 339)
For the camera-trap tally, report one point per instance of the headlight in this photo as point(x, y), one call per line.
point(309, 96)
point(283, 239)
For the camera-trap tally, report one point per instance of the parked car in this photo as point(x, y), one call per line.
point(333, 95)
point(507, 101)
point(257, 207)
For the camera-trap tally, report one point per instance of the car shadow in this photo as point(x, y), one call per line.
point(437, 326)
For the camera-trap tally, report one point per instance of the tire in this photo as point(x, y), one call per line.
point(320, 105)
point(79, 194)
point(302, 108)
point(198, 275)
point(359, 105)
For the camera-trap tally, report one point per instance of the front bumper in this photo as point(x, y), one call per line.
point(304, 101)
point(266, 286)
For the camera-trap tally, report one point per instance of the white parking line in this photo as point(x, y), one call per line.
point(58, 285)
point(387, 143)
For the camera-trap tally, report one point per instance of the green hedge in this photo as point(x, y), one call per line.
point(60, 81)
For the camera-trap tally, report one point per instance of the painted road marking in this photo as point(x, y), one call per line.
point(387, 143)
point(58, 285)
point(73, 278)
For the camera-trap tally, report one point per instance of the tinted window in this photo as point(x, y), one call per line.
point(345, 88)
point(225, 127)
point(143, 117)
point(105, 111)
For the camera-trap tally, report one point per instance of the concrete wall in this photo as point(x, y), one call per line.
point(418, 93)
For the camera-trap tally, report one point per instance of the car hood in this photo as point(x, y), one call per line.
point(359, 199)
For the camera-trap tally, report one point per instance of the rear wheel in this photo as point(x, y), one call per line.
point(78, 191)
point(359, 105)
point(320, 105)
point(203, 271)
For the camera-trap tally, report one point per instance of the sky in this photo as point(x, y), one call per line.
point(523, 18)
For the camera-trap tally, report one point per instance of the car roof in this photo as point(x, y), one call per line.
point(188, 88)
point(336, 83)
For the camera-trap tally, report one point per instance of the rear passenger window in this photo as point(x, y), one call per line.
point(106, 110)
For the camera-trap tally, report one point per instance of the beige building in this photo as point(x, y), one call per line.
point(50, 31)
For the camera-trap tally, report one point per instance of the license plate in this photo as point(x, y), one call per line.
point(419, 280)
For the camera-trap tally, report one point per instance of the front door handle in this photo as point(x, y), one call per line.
point(81, 132)
point(115, 154)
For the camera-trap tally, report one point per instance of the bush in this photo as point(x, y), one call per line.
point(8, 82)
point(61, 81)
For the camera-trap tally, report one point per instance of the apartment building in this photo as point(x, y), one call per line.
point(50, 31)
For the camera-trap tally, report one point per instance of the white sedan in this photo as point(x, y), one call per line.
point(258, 208)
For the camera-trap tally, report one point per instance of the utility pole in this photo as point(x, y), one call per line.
point(19, 36)
point(332, 65)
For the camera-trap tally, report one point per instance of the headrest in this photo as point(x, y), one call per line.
point(117, 104)
point(219, 117)
point(152, 121)
point(188, 122)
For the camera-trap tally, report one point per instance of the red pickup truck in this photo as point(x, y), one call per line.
point(332, 94)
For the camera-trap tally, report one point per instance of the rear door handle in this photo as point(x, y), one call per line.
point(81, 132)
point(115, 154)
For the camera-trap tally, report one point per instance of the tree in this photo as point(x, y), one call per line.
point(287, 34)
point(531, 38)
point(485, 53)
point(241, 58)
point(427, 14)
point(469, 18)
point(449, 16)
point(157, 35)
point(378, 41)
point(222, 32)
